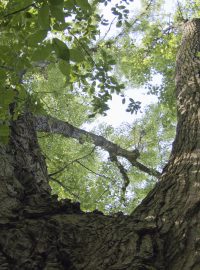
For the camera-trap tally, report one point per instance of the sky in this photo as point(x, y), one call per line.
point(117, 113)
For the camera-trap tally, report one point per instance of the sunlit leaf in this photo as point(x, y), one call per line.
point(57, 12)
point(83, 4)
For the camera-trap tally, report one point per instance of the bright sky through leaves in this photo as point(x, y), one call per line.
point(117, 113)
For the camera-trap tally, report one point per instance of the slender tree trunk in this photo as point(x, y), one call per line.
point(40, 232)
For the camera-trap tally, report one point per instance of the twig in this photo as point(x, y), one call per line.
point(180, 11)
point(83, 47)
point(137, 19)
point(147, 170)
point(68, 164)
point(64, 186)
point(123, 171)
point(108, 30)
point(7, 68)
point(20, 10)
point(93, 172)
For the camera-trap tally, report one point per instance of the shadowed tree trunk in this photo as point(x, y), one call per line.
point(39, 232)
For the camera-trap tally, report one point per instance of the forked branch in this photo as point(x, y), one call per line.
point(52, 125)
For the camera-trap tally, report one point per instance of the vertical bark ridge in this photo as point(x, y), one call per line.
point(30, 166)
point(175, 201)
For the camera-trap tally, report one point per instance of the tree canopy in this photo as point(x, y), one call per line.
point(63, 59)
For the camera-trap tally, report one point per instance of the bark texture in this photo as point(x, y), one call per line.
point(39, 232)
point(175, 201)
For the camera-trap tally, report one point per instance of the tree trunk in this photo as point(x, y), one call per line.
point(40, 232)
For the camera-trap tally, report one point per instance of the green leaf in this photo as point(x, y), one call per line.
point(69, 4)
point(61, 49)
point(119, 24)
point(61, 27)
point(6, 97)
point(112, 62)
point(127, 24)
point(57, 12)
point(43, 17)
point(76, 55)
point(16, 5)
point(83, 4)
point(64, 67)
point(2, 75)
point(42, 52)
point(37, 37)
point(4, 133)
point(56, 2)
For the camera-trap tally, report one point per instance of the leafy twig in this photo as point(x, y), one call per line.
point(137, 19)
point(83, 47)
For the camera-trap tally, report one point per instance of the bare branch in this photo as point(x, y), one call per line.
point(108, 29)
point(55, 126)
point(145, 169)
point(64, 186)
point(93, 172)
point(68, 164)
point(123, 172)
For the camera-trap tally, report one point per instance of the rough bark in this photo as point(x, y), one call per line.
point(175, 201)
point(40, 232)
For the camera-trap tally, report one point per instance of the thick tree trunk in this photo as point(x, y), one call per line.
point(39, 232)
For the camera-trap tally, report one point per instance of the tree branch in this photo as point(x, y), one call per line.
point(55, 126)
point(64, 186)
point(93, 172)
point(20, 10)
point(124, 174)
point(68, 164)
point(108, 30)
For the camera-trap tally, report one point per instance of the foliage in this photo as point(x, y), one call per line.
point(36, 33)
point(152, 135)
point(54, 60)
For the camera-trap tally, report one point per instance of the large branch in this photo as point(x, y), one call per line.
point(53, 125)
